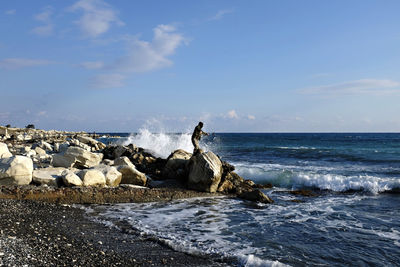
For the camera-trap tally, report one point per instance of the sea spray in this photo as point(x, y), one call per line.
point(160, 144)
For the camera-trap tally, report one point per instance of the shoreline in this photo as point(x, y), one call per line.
point(99, 195)
point(42, 172)
point(39, 234)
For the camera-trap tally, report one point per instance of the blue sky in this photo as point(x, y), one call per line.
point(239, 66)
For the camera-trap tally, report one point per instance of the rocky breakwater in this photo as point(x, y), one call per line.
point(72, 167)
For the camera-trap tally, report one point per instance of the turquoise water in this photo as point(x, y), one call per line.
point(354, 219)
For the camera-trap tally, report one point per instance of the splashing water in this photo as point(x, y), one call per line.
point(160, 144)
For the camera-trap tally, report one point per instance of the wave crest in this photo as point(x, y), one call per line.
point(297, 178)
point(160, 144)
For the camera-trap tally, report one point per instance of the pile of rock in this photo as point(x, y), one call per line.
point(66, 160)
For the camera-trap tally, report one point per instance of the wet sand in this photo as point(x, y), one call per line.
point(45, 234)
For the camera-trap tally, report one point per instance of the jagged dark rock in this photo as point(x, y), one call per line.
point(257, 196)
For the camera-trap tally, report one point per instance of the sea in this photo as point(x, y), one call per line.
point(353, 219)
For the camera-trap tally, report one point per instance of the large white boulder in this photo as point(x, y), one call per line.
point(92, 177)
point(16, 170)
point(4, 152)
point(90, 141)
point(70, 178)
point(113, 176)
point(132, 176)
point(47, 176)
point(76, 157)
point(205, 171)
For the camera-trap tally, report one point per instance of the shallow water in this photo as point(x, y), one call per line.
point(333, 229)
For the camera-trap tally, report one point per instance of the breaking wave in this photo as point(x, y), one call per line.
point(160, 144)
point(296, 177)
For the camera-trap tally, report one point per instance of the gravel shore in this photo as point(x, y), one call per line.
point(42, 234)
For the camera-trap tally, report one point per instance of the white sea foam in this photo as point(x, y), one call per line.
point(195, 226)
point(160, 144)
point(314, 176)
point(253, 261)
point(230, 228)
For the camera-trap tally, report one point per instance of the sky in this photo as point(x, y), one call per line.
point(238, 66)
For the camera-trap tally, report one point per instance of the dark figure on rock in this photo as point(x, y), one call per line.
point(196, 136)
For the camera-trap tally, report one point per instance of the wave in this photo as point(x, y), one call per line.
point(253, 261)
point(323, 178)
point(160, 144)
point(198, 226)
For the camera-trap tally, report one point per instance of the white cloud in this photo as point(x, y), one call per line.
point(251, 117)
point(220, 14)
point(45, 17)
point(92, 65)
point(363, 86)
point(43, 30)
point(147, 56)
point(11, 12)
point(17, 63)
point(232, 114)
point(42, 113)
point(103, 81)
point(97, 17)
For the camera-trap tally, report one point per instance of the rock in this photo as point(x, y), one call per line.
point(233, 183)
point(40, 151)
point(227, 167)
point(16, 170)
point(113, 152)
point(92, 177)
point(205, 171)
point(46, 146)
point(123, 161)
point(138, 158)
point(133, 186)
point(4, 152)
point(249, 183)
point(263, 186)
point(48, 176)
point(69, 178)
point(31, 153)
point(226, 186)
point(92, 142)
point(63, 147)
point(62, 160)
point(303, 192)
point(113, 176)
point(20, 138)
point(256, 196)
point(76, 157)
point(176, 166)
point(132, 176)
point(108, 162)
